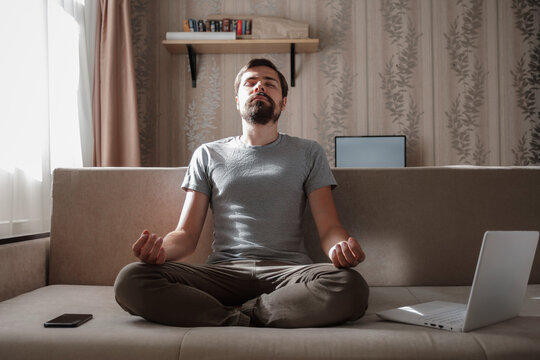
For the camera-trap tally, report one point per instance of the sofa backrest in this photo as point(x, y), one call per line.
point(418, 226)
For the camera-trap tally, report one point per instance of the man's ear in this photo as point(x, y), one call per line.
point(236, 101)
point(283, 103)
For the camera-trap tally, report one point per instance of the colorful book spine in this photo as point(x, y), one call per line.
point(226, 25)
point(202, 27)
point(238, 26)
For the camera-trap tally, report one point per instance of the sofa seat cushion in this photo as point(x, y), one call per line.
point(111, 334)
point(114, 334)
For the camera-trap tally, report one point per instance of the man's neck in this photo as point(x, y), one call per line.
point(259, 135)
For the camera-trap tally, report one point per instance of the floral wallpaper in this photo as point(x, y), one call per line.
point(526, 80)
point(459, 78)
point(467, 69)
point(336, 72)
point(400, 98)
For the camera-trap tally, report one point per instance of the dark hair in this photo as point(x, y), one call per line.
point(261, 62)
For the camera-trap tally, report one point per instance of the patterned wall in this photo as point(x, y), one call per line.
point(460, 78)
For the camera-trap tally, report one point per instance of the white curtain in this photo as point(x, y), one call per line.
point(45, 104)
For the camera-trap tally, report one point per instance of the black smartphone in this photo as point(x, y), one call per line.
point(68, 320)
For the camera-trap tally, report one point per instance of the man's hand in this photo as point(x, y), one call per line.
point(149, 248)
point(346, 254)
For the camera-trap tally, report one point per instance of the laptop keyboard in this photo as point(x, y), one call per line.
point(450, 317)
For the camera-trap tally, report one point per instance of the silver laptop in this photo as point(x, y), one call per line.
point(497, 292)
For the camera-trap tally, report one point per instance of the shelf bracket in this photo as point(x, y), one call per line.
point(192, 65)
point(293, 75)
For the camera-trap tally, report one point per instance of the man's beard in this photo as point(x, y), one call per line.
point(259, 112)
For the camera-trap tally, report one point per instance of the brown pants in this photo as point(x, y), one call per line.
point(242, 293)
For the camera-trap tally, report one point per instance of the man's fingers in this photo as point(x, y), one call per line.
point(349, 256)
point(154, 252)
point(334, 258)
point(161, 257)
point(356, 250)
point(341, 256)
point(138, 245)
point(147, 248)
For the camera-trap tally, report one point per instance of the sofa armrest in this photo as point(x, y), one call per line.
point(23, 267)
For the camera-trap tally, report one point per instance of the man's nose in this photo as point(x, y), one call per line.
point(259, 87)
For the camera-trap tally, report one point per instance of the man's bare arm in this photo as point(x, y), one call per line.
point(342, 249)
point(179, 243)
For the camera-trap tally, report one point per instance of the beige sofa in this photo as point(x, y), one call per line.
point(420, 227)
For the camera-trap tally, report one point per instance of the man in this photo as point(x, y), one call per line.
point(259, 273)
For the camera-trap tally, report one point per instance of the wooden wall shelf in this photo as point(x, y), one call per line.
point(241, 46)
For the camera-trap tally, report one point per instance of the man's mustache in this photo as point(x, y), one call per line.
point(252, 97)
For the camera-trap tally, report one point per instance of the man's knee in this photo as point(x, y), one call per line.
point(129, 284)
point(353, 292)
point(353, 282)
point(358, 287)
point(126, 277)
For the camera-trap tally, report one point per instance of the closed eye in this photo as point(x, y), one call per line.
point(267, 81)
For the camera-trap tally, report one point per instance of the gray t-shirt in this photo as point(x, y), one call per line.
point(258, 195)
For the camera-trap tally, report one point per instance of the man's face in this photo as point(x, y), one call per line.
point(259, 97)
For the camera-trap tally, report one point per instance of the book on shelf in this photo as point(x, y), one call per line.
point(183, 35)
point(240, 27)
point(200, 26)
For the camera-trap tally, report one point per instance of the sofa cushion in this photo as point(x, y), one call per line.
point(111, 334)
point(114, 334)
point(418, 226)
point(424, 226)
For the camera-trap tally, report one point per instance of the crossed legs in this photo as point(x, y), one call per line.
point(242, 293)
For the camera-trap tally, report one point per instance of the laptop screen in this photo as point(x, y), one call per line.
point(370, 151)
